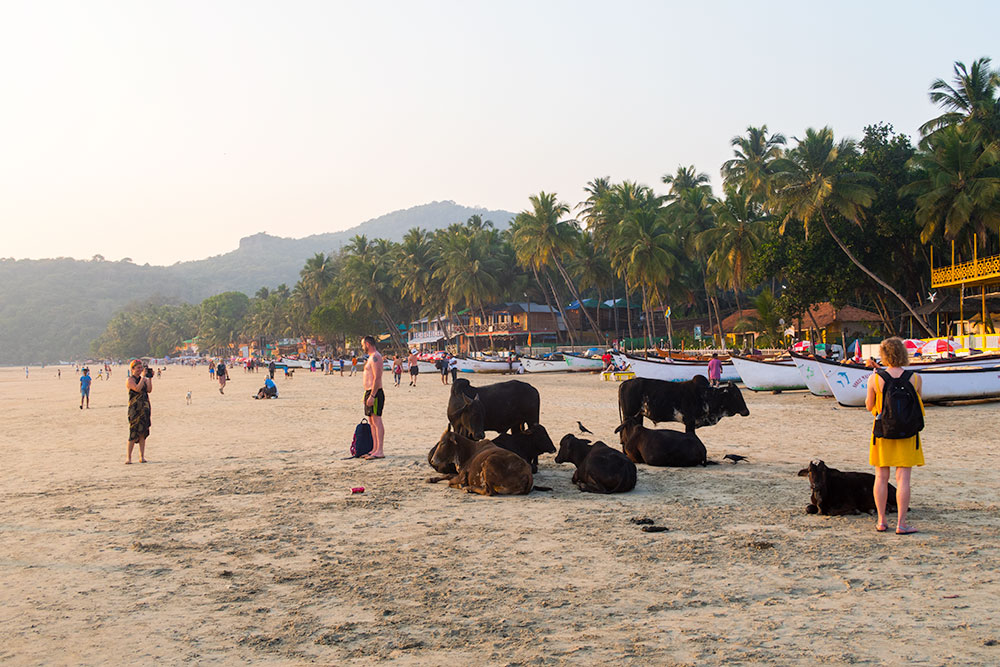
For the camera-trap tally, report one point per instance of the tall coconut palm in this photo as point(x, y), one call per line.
point(541, 235)
point(684, 179)
point(749, 170)
point(970, 100)
point(958, 187)
point(467, 269)
point(740, 227)
point(812, 179)
point(645, 257)
point(368, 280)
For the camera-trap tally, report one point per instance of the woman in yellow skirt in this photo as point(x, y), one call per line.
point(884, 453)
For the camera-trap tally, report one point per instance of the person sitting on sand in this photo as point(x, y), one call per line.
point(269, 390)
point(902, 453)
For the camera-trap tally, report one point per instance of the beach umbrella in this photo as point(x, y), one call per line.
point(855, 349)
point(913, 344)
point(938, 346)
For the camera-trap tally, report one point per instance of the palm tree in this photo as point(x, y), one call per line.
point(467, 269)
point(749, 170)
point(970, 101)
point(684, 179)
point(813, 178)
point(645, 257)
point(541, 235)
point(740, 227)
point(958, 189)
point(368, 280)
point(590, 267)
point(316, 276)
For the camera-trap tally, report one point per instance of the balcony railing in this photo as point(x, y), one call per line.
point(979, 271)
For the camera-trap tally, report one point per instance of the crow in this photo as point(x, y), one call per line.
point(735, 458)
point(583, 429)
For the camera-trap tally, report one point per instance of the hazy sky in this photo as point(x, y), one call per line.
point(167, 130)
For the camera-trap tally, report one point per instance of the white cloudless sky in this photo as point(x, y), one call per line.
point(165, 131)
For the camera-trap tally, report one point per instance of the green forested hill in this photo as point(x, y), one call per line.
point(51, 309)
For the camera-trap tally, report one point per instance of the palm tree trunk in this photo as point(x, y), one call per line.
point(645, 313)
point(870, 274)
point(482, 313)
point(718, 319)
point(555, 295)
point(576, 295)
point(628, 312)
point(548, 303)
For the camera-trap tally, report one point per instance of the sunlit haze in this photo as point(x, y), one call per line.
point(165, 131)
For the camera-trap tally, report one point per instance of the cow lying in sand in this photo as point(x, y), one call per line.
point(528, 444)
point(599, 469)
point(660, 447)
point(835, 492)
point(482, 467)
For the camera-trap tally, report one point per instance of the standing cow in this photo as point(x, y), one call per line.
point(505, 406)
point(694, 402)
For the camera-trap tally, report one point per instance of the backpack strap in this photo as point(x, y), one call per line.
point(906, 375)
point(886, 378)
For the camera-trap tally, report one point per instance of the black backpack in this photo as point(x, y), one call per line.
point(363, 442)
point(901, 416)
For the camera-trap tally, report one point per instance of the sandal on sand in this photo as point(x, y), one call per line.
point(881, 527)
point(369, 457)
point(906, 531)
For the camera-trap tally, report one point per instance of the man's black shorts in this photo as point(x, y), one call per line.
point(377, 405)
point(414, 369)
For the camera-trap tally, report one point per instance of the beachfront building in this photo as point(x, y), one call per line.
point(822, 323)
point(611, 316)
point(511, 325)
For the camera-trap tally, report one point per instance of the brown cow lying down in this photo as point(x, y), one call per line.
point(660, 447)
point(599, 469)
point(835, 492)
point(483, 467)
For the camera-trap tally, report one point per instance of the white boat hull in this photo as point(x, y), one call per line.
point(543, 365)
point(484, 366)
point(813, 376)
point(671, 372)
point(575, 363)
point(768, 375)
point(955, 381)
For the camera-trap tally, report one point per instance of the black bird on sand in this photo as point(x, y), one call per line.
point(583, 429)
point(735, 458)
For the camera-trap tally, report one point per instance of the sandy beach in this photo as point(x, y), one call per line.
point(240, 542)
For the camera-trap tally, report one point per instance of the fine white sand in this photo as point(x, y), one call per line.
point(241, 542)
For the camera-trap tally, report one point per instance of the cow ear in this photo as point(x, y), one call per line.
point(466, 401)
point(804, 472)
point(620, 427)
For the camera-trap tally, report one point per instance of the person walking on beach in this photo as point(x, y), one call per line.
point(85, 381)
point(223, 374)
point(211, 369)
point(340, 360)
point(714, 370)
point(906, 411)
point(397, 370)
point(140, 385)
point(374, 397)
point(270, 368)
point(414, 365)
point(453, 368)
point(354, 364)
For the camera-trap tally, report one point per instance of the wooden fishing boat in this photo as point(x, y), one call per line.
point(671, 371)
point(768, 375)
point(952, 380)
point(553, 364)
point(812, 375)
point(576, 362)
point(468, 365)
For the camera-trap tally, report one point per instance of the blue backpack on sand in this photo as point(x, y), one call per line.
point(363, 442)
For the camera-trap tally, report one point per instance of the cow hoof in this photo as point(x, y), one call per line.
point(812, 509)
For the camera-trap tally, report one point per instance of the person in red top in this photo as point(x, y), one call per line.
point(714, 370)
point(606, 360)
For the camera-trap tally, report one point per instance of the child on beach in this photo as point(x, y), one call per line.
point(85, 381)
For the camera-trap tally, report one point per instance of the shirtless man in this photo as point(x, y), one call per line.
point(414, 367)
point(374, 397)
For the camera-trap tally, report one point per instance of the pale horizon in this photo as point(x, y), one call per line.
point(166, 133)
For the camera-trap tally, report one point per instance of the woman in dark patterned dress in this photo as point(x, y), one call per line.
point(139, 385)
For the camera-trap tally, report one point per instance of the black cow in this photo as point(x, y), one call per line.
point(835, 492)
point(694, 402)
point(511, 405)
point(660, 447)
point(599, 469)
point(528, 445)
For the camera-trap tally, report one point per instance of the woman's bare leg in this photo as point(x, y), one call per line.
point(142, 449)
point(131, 444)
point(903, 497)
point(881, 494)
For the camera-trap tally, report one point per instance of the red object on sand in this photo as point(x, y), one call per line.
point(357, 489)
